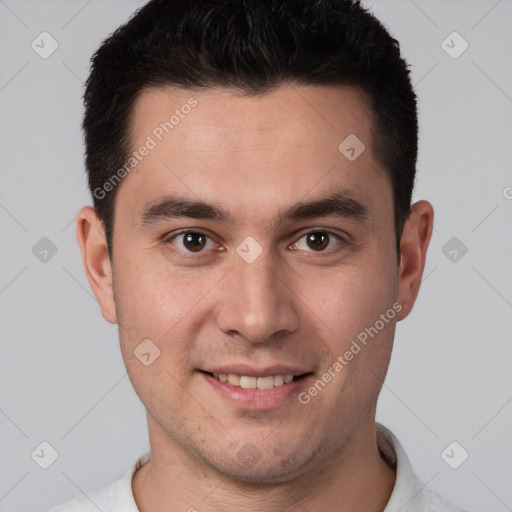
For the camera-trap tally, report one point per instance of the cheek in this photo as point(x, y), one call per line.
point(355, 296)
point(360, 339)
point(166, 306)
point(152, 298)
point(152, 311)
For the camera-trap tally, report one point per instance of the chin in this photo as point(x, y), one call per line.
point(255, 467)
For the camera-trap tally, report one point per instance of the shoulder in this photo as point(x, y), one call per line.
point(409, 494)
point(437, 503)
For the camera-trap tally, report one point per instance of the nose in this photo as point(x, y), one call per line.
point(256, 301)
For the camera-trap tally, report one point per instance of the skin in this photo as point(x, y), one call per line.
point(293, 305)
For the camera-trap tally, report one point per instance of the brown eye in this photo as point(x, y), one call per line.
point(191, 241)
point(194, 241)
point(318, 241)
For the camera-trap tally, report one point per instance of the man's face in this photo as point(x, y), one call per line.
point(262, 292)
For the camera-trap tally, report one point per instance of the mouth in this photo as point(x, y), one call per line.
point(248, 388)
point(262, 382)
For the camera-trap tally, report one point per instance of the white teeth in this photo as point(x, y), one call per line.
point(233, 379)
point(265, 382)
point(278, 380)
point(247, 382)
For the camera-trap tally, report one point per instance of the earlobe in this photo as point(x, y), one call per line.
point(413, 250)
point(91, 238)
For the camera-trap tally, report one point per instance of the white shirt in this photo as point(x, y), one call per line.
point(409, 493)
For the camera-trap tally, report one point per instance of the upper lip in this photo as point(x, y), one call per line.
point(251, 371)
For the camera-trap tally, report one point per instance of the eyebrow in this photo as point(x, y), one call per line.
point(339, 205)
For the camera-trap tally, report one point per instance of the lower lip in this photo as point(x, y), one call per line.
point(257, 399)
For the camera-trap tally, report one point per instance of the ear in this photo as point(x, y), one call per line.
point(91, 238)
point(413, 250)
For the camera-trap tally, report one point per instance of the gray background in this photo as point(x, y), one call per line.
point(62, 376)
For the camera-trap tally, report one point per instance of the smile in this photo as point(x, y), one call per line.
point(248, 382)
point(266, 389)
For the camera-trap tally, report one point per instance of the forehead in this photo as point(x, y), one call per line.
point(303, 115)
point(220, 145)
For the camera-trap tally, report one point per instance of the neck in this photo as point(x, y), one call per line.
point(355, 477)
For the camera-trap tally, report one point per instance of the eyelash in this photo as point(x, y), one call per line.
point(169, 239)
